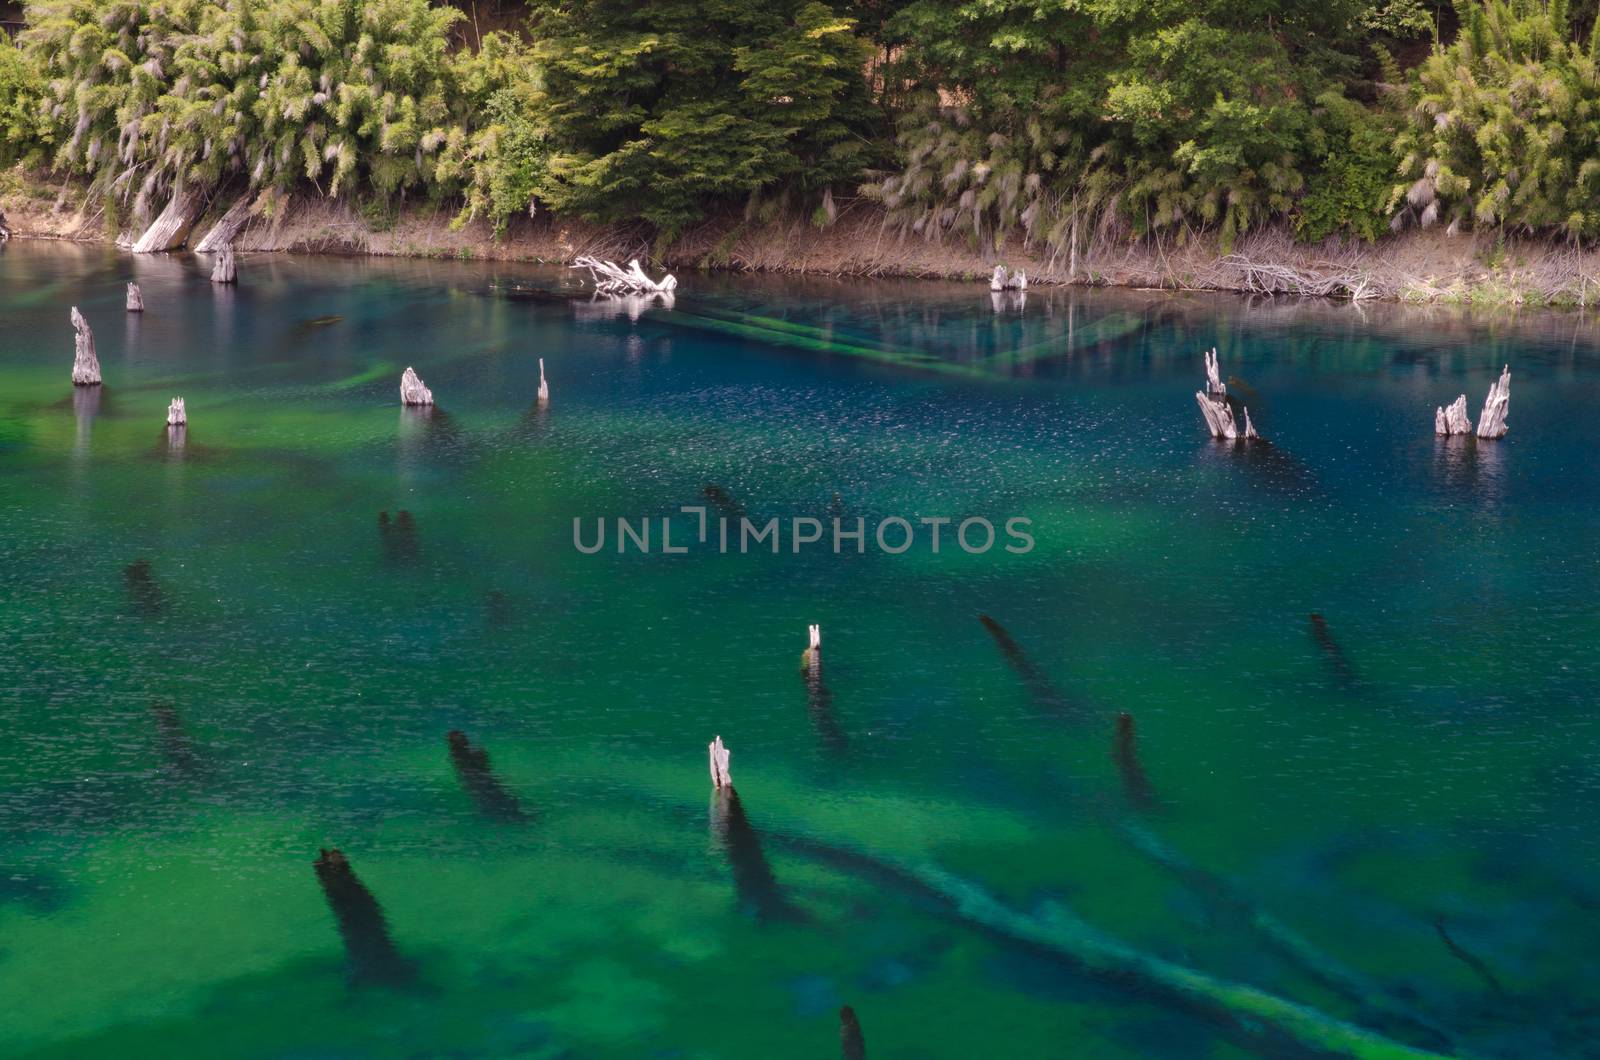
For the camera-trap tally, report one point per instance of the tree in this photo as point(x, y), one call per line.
point(653, 110)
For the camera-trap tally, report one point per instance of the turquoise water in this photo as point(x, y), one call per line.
point(215, 661)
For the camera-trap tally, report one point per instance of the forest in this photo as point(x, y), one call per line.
point(991, 122)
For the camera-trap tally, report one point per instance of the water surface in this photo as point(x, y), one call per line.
point(218, 660)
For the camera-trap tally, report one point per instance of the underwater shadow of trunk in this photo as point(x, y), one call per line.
point(478, 780)
point(852, 1045)
point(399, 536)
point(753, 881)
point(1275, 468)
point(145, 597)
point(1343, 673)
point(498, 612)
point(819, 704)
point(1125, 752)
point(1045, 695)
point(1470, 960)
point(721, 500)
point(373, 958)
point(176, 750)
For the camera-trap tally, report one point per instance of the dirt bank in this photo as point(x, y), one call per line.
point(1416, 266)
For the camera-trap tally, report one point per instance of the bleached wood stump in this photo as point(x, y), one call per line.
point(811, 658)
point(224, 271)
point(222, 233)
point(135, 299)
point(1000, 280)
point(1213, 402)
point(171, 228)
point(85, 365)
point(176, 414)
point(720, 778)
point(412, 392)
point(1452, 419)
point(544, 387)
point(1492, 424)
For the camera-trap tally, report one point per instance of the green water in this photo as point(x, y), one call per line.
point(1303, 817)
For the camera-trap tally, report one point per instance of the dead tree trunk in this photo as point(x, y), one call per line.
point(224, 271)
point(1492, 424)
point(222, 233)
point(171, 229)
point(85, 365)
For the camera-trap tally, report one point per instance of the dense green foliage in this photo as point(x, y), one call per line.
point(1505, 126)
point(653, 108)
point(153, 94)
point(979, 120)
point(25, 130)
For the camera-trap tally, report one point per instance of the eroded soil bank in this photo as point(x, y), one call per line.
point(1417, 266)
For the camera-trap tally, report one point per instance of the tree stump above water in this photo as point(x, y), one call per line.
point(412, 392)
point(1492, 424)
point(85, 365)
point(135, 299)
point(224, 271)
point(1452, 419)
point(720, 778)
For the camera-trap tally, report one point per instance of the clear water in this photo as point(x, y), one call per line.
point(1304, 814)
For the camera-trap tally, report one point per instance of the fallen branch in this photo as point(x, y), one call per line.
point(610, 278)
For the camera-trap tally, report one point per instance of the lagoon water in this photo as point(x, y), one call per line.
point(216, 661)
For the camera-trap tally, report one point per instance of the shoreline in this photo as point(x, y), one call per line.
point(1416, 267)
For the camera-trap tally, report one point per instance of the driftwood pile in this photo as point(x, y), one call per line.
point(610, 278)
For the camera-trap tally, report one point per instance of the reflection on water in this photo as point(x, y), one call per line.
point(209, 665)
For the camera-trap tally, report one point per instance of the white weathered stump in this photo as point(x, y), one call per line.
point(1213, 402)
point(1492, 424)
point(224, 271)
point(1214, 384)
point(135, 299)
point(544, 387)
point(85, 365)
point(412, 392)
point(720, 778)
point(1000, 280)
point(176, 415)
point(811, 658)
point(1452, 419)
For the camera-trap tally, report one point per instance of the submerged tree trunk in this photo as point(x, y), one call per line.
point(171, 229)
point(135, 299)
